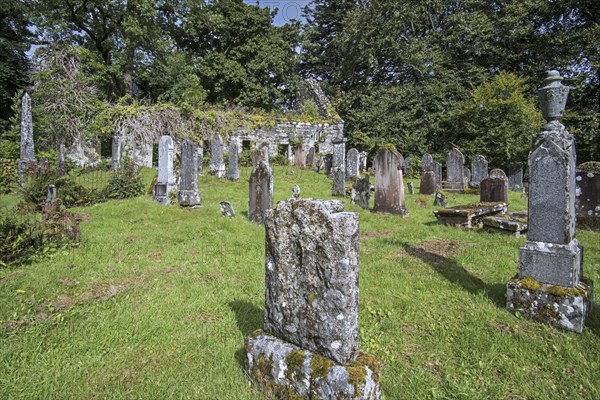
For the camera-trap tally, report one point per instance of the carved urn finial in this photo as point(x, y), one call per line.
point(553, 97)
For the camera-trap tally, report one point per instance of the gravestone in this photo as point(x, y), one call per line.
point(318, 163)
point(455, 170)
point(310, 157)
point(411, 188)
point(260, 155)
point(200, 158)
point(440, 199)
point(549, 286)
point(217, 166)
point(227, 209)
point(389, 185)
point(361, 192)
point(437, 170)
point(479, 170)
point(27, 155)
point(51, 193)
point(166, 176)
point(299, 157)
point(188, 195)
point(467, 176)
point(310, 332)
point(428, 184)
point(43, 166)
point(362, 161)
point(327, 164)
point(426, 163)
point(407, 167)
point(338, 167)
point(233, 172)
point(260, 195)
point(352, 163)
point(515, 177)
point(295, 192)
point(494, 188)
point(117, 149)
point(587, 195)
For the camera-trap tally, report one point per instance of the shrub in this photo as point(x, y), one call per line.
point(279, 159)
point(125, 183)
point(9, 175)
point(68, 191)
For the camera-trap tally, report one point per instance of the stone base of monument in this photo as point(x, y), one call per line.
point(559, 306)
point(161, 193)
point(453, 186)
point(285, 371)
point(514, 223)
point(189, 198)
point(468, 216)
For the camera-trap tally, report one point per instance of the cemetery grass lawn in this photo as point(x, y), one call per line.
point(156, 302)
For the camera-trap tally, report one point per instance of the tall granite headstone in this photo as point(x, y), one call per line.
point(189, 195)
point(310, 156)
point(455, 170)
point(233, 172)
point(389, 184)
point(166, 175)
point(217, 166)
point(549, 287)
point(362, 161)
point(426, 163)
point(479, 170)
point(328, 164)
point(587, 201)
point(310, 332)
point(299, 157)
point(428, 185)
point(494, 188)
point(437, 170)
point(515, 177)
point(352, 163)
point(260, 194)
point(338, 167)
point(27, 155)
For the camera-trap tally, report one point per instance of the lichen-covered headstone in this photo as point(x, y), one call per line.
point(428, 184)
point(440, 199)
point(494, 188)
point(299, 157)
point(389, 184)
point(166, 176)
point(362, 161)
point(515, 177)
point(309, 346)
point(27, 149)
point(295, 192)
point(352, 163)
point(361, 192)
point(189, 195)
point(310, 156)
point(437, 170)
point(466, 176)
point(233, 172)
point(217, 166)
point(51, 193)
point(549, 287)
point(327, 164)
point(338, 167)
point(260, 194)
point(227, 209)
point(426, 163)
point(259, 155)
point(587, 200)
point(411, 188)
point(455, 170)
point(479, 170)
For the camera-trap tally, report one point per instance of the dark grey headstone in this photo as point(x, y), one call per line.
point(233, 172)
point(51, 194)
point(260, 195)
point(587, 201)
point(455, 170)
point(389, 185)
point(515, 177)
point(310, 156)
point(299, 157)
point(311, 295)
point(27, 150)
point(426, 163)
point(188, 194)
point(166, 175)
point(440, 199)
point(217, 166)
point(479, 170)
point(494, 188)
point(327, 164)
point(428, 184)
point(227, 209)
point(362, 161)
point(352, 163)
point(411, 188)
point(361, 192)
point(437, 170)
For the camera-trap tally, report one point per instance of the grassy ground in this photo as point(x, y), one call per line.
point(156, 302)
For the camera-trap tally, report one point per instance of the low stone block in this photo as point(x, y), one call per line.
point(515, 223)
point(468, 216)
point(189, 198)
point(285, 371)
point(556, 264)
point(559, 306)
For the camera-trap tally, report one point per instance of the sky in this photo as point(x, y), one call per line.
point(287, 9)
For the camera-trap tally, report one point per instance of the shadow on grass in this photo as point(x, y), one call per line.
point(454, 271)
point(248, 318)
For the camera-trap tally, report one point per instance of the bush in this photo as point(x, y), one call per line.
point(279, 159)
point(68, 191)
point(125, 183)
point(9, 175)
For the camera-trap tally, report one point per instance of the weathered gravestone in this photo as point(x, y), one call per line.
point(117, 150)
point(352, 164)
point(587, 201)
point(407, 166)
point(233, 172)
point(299, 157)
point(217, 166)
point(310, 156)
point(437, 170)
point(389, 185)
point(362, 161)
point(166, 176)
point(361, 192)
point(260, 195)
point(549, 287)
point(27, 155)
point(338, 168)
point(188, 195)
point(259, 155)
point(479, 170)
point(515, 177)
point(466, 176)
point(440, 199)
point(411, 188)
point(428, 184)
point(51, 193)
point(455, 170)
point(494, 188)
point(327, 164)
point(309, 346)
point(426, 163)
point(227, 209)
point(295, 192)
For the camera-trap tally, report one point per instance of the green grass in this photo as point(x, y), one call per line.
point(156, 303)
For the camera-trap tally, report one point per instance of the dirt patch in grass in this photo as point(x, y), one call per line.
point(377, 234)
point(68, 282)
point(435, 251)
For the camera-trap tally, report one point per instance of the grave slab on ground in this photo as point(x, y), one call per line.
point(514, 223)
point(469, 215)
